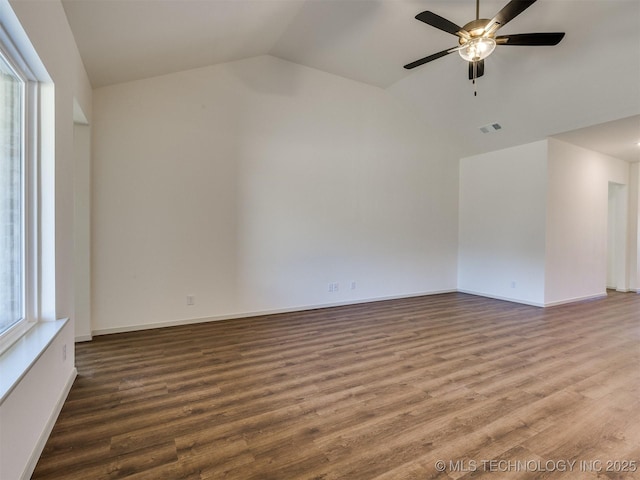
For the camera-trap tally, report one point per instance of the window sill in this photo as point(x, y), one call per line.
point(16, 361)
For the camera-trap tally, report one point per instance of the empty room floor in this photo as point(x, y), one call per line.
point(444, 386)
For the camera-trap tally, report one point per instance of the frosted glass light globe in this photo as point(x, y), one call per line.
point(478, 48)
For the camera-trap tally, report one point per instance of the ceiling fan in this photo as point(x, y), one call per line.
point(477, 39)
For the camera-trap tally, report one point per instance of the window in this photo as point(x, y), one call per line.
point(12, 196)
point(22, 136)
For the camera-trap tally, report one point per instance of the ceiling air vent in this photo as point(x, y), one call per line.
point(490, 128)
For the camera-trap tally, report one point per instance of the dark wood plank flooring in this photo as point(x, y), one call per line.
point(374, 391)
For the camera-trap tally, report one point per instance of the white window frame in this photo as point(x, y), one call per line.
point(30, 213)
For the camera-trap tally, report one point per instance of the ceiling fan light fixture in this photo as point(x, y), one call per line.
point(478, 48)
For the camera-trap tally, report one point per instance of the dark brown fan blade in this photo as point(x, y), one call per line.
point(479, 66)
point(440, 23)
point(430, 58)
point(510, 11)
point(532, 39)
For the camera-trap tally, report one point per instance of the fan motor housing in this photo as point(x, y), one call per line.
point(476, 28)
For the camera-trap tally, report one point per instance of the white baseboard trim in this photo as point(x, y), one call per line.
point(537, 304)
point(302, 308)
point(624, 290)
point(190, 321)
point(504, 299)
point(42, 441)
point(83, 338)
point(576, 299)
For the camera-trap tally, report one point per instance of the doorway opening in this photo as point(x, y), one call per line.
point(617, 276)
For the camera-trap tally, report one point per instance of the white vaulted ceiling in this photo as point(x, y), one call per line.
point(591, 77)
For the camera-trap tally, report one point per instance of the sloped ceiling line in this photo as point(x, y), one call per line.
point(591, 77)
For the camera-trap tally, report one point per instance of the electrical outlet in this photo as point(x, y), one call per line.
point(64, 352)
point(353, 285)
point(191, 300)
point(336, 287)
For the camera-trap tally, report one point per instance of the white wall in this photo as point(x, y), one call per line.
point(252, 185)
point(576, 255)
point(29, 411)
point(538, 215)
point(502, 223)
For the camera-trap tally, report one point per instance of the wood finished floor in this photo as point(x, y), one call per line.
point(374, 391)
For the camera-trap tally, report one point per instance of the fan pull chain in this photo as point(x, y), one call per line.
point(475, 75)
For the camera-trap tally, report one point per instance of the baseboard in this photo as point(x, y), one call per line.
point(42, 441)
point(190, 321)
point(576, 299)
point(504, 299)
point(537, 304)
point(83, 338)
point(621, 290)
